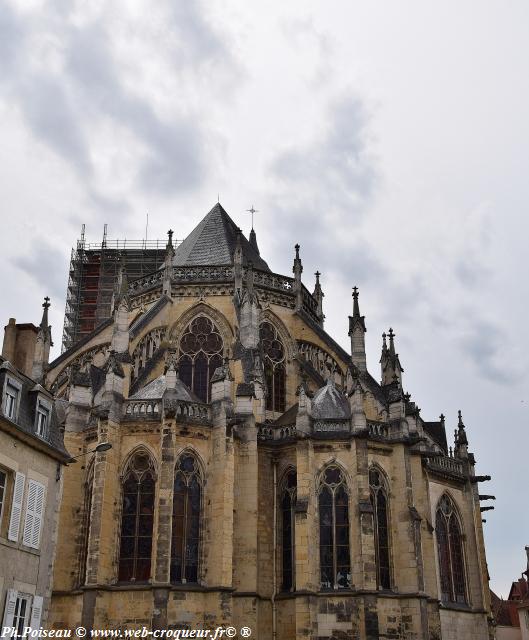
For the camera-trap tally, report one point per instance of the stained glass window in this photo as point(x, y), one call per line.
point(201, 349)
point(187, 500)
point(288, 504)
point(450, 552)
point(137, 520)
point(274, 367)
point(379, 502)
point(333, 504)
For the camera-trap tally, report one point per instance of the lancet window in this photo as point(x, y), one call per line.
point(137, 518)
point(333, 504)
point(187, 505)
point(288, 523)
point(274, 367)
point(201, 352)
point(450, 552)
point(379, 502)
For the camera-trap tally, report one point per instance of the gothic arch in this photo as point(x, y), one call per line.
point(450, 539)
point(193, 452)
point(218, 318)
point(138, 507)
point(334, 492)
point(187, 518)
point(141, 448)
point(380, 501)
point(269, 316)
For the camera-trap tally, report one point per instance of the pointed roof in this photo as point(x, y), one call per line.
point(213, 242)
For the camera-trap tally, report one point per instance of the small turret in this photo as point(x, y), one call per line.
point(460, 439)
point(390, 363)
point(318, 296)
point(357, 329)
point(42, 345)
point(297, 269)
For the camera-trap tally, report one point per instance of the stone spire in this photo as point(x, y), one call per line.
point(253, 241)
point(318, 295)
point(43, 344)
point(391, 367)
point(120, 332)
point(357, 329)
point(460, 439)
point(168, 264)
point(297, 269)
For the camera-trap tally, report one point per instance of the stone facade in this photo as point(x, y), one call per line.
point(258, 390)
point(31, 461)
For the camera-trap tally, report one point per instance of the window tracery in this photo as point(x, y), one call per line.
point(450, 552)
point(187, 505)
point(274, 367)
point(333, 503)
point(145, 350)
point(137, 519)
point(201, 352)
point(288, 523)
point(379, 502)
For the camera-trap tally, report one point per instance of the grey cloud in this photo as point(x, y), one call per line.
point(483, 343)
point(174, 152)
point(47, 267)
point(338, 165)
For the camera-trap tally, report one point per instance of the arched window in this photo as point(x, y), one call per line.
point(187, 501)
point(450, 550)
point(274, 367)
point(379, 501)
point(137, 520)
point(333, 503)
point(89, 486)
point(288, 505)
point(201, 350)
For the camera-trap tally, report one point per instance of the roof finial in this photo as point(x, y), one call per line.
point(391, 335)
point(296, 247)
point(252, 211)
point(384, 344)
point(356, 308)
point(170, 238)
point(45, 306)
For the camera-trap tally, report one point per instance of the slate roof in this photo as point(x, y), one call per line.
point(330, 404)
point(437, 432)
point(213, 241)
point(155, 390)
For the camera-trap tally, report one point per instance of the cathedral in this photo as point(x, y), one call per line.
point(254, 473)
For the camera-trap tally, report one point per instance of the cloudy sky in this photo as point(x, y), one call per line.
point(389, 139)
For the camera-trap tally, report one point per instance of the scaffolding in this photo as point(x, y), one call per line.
point(93, 275)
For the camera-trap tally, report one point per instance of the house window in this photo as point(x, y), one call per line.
point(288, 523)
point(21, 613)
point(201, 350)
point(274, 367)
point(333, 503)
point(12, 393)
point(379, 502)
point(450, 552)
point(137, 520)
point(42, 419)
point(187, 502)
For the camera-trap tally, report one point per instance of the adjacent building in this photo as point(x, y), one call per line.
point(260, 475)
point(32, 456)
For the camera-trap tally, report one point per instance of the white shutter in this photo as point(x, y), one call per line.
point(16, 507)
point(9, 611)
point(34, 513)
point(36, 612)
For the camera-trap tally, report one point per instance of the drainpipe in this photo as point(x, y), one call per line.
point(274, 546)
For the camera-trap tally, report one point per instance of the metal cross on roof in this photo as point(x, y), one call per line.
point(252, 211)
point(46, 304)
